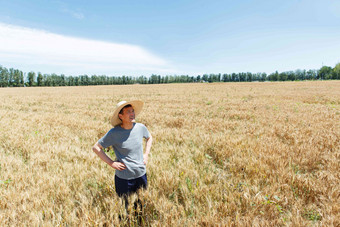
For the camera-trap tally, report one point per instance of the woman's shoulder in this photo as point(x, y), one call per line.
point(115, 129)
point(140, 125)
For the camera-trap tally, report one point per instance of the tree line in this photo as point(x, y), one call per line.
point(16, 78)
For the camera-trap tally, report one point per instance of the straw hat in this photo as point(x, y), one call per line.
point(136, 105)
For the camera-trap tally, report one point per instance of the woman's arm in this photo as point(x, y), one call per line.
point(98, 149)
point(147, 149)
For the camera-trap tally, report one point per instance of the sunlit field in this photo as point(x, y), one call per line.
point(224, 154)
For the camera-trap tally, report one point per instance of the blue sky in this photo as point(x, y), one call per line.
point(168, 37)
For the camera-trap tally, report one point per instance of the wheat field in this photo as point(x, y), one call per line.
point(224, 154)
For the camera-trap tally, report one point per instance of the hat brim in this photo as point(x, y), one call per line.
point(136, 105)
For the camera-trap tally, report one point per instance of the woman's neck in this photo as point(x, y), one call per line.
point(127, 125)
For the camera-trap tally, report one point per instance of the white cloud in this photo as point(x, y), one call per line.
point(31, 49)
point(65, 9)
point(76, 14)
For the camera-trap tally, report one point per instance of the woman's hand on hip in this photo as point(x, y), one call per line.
point(118, 165)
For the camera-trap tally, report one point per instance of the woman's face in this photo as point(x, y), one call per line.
point(128, 115)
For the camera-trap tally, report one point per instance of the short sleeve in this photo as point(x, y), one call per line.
point(106, 140)
point(146, 133)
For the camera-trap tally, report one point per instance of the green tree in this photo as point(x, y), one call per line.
point(70, 81)
point(21, 79)
point(273, 76)
point(249, 77)
point(311, 74)
point(300, 74)
point(10, 77)
point(233, 77)
point(76, 81)
point(47, 80)
point(283, 76)
point(205, 77)
point(336, 72)
point(40, 79)
point(4, 77)
point(225, 78)
point(15, 77)
point(62, 80)
point(31, 78)
point(242, 76)
point(94, 80)
point(166, 79)
point(325, 73)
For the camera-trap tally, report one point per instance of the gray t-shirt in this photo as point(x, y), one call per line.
point(128, 147)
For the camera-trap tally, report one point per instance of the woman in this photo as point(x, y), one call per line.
point(126, 138)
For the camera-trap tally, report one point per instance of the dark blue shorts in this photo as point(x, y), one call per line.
point(127, 187)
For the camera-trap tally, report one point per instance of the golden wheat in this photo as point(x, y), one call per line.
point(224, 154)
